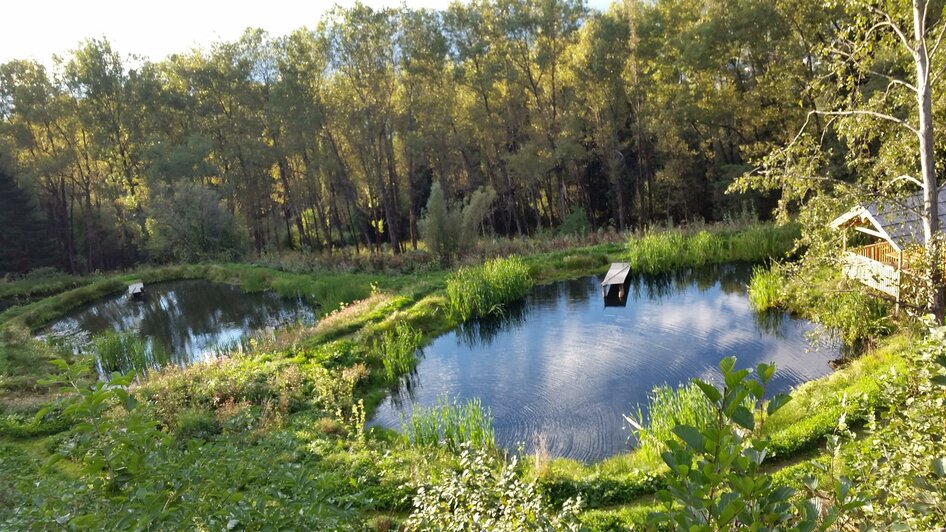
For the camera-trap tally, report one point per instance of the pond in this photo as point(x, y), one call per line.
point(181, 321)
point(565, 367)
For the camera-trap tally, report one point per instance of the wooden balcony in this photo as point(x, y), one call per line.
point(881, 252)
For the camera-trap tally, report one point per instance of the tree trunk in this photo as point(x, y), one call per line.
point(927, 163)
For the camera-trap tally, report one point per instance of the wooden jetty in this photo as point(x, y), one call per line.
point(136, 289)
point(617, 275)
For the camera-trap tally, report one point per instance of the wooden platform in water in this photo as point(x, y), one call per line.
point(136, 289)
point(617, 275)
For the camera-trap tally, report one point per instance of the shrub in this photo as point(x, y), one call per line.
point(487, 289)
point(451, 229)
point(196, 423)
point(486, 493)
point(576, 223)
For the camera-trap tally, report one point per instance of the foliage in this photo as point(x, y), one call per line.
point(668, 407)
point(486, 290)
point(397, 348)
point(669, 249)
point(452, 229)
point(765, 287)
point(486, 493)
point(24, 242)
point(188, 222)
point(716, 480)
point(576, 223)
point(900, 464)
point(450, 424)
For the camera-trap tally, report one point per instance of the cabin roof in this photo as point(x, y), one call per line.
point(897, 222)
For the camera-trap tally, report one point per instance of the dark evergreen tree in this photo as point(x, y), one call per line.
point(24, 240)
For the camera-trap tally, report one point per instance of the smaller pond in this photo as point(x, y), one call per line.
point(565, 368)
point(181, 321)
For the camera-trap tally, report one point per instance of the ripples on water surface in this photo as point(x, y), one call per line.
point(565, 366)
point(187, 320)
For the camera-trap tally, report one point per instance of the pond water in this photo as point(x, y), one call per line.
point(565, 367)
point(181, 321)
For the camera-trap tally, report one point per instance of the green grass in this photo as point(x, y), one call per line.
point(450, 424)
point(765, 287)
point(668, 407)
point(486, 290)
point(396, 349)
point(670, 249)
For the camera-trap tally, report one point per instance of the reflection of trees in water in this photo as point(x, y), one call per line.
point(731, 278)
point(483, 331)
point(403, 391)
point(184, 320)
point(771, 321)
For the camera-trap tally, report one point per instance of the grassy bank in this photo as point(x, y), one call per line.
point(302, 397)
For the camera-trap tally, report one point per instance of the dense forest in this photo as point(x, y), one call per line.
point(333, 137)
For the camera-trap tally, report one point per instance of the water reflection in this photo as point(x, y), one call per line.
point(182, 321)
point(565, 365)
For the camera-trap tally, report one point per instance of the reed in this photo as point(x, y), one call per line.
point(486, 290)
point(661, 251)
point(668, 407)
point(765, 287)
point(450, 424)
point(120, 352)
point(396, 347)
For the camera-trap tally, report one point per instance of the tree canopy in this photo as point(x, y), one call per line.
point(333, 136)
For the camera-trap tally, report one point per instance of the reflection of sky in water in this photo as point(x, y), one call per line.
point(189, 320)
point(566, 366)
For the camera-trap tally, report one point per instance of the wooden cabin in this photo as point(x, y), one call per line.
point(890, 228)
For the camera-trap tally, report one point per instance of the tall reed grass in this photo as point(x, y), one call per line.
point(121, 352)
point(765, 287)
point(668, 407)
point(396, 347)
point(451, 424)
point(486, 290)
point(660, 251)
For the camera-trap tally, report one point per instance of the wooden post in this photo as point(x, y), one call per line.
point(896, 308)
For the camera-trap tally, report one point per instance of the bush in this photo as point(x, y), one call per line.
point(667, 408)
point(196, 423)
point(486, 493)
point(575, 224)
point(451, 229)
point(487, 289)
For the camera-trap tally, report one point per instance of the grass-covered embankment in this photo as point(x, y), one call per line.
point(302, 397)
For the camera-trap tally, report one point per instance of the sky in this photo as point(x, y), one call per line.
point(37, 29)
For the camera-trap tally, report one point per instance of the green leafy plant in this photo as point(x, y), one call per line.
point(486, 493)
point(716, 481)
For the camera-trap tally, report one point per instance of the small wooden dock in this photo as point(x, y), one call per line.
point(617, 275)
point(136, 290)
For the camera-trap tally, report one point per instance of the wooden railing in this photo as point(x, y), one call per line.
point(881, 252)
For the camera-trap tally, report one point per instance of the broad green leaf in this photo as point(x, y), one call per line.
point(691, 436)
point(743, 417)
point(777, 402)
point(708, 390)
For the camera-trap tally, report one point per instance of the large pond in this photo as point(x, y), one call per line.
point(565, 367)
point(181, 321)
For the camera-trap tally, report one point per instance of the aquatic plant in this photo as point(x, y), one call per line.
point(660, 251)
point(451, 424)
point(668, 407)
point(487, 289)
point(396, 347)
point(120, 352)
point(765, 287)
